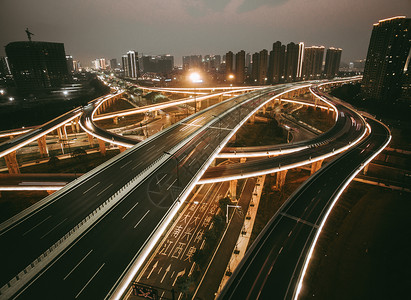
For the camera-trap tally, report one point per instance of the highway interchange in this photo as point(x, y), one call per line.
point(99, 263)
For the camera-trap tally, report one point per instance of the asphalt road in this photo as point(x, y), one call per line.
point(273, 265)
point(347, 129)
point(117, 238)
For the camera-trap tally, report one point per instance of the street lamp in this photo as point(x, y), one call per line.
point(231, 77)
point(195, 78)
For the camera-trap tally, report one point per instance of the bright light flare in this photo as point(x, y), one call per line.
point(195, 77)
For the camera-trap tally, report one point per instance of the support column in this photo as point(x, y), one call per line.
point(115, 120)
point(90, 140)
point(77, 124)
point(73, 128)
point(60, 133)
point(198, 105)
point(12, 164)
point(102, 146)
point(365, 170)
point(233, 188)
point(252, 119)
point(243, 159)
point(43, 146)
point(220, 98)
point(233, 138)
point(280, 180)
point(315, 166)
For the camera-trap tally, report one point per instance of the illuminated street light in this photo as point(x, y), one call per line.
point(11, 98)
point(2, 92)
point(65, 93)
point(231, 77)
point(195, 78)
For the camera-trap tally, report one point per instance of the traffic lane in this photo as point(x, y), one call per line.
point(326, 186)
point(251, 279)
point(284, 267)
point(61, 217)
point(252, 166)
point(158, 200)
point(59, 224)
point(113, 241)
point(73, 204)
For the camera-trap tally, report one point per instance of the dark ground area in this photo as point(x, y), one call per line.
point(363, 251)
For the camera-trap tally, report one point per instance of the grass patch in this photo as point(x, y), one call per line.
point(315, 117)
point(260, 134)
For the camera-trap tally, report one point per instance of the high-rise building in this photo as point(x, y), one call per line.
point(124, 64)
point(211, 62)
point(313, 62)
point(276, 63)
point(192, 62)
point(37, 64)
point(70, 64)
point(332, 62)
point(248, 63)
point(4, 66)
point(300, 60)
point(229, 60)
point(291, 62)
point(113, 63)
point(158, 64)
point(255, 67)
point(262, 67)
point(386, 58)
point(240, 67)
point(132, 64)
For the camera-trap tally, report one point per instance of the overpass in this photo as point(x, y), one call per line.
point(57, 227)
point(150, 191)
point(275, 265)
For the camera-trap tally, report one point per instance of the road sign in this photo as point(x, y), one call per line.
point(144, 291)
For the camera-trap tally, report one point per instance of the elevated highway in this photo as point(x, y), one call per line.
point(275, 265)
point(145, 187)
point(131, 182)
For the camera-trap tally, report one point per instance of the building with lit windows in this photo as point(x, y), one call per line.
point(387, 55)
point(240, 67)
point(313, 62)
point(37, 65)
point(229, 61)
point(276, 63)
point(332, 62)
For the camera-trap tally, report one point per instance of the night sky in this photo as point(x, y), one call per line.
point(107, 28)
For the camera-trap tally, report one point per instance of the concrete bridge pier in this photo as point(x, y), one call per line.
point(102, 147)
point(44, 151)
point(315, 166)
point(11, 163)
point(90, 139)
point(233, 188)
point(280, 180)
point(365, 170)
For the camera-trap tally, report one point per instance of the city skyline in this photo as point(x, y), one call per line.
point(187, 27)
